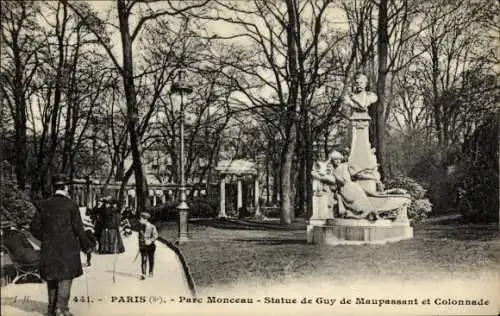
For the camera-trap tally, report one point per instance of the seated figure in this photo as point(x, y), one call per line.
point(20, 246)
point(360, 201)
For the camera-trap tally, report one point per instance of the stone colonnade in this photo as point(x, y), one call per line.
point(238, 170)
point(88, 194)
point(255, 204)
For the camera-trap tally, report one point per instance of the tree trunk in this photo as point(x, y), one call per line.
point(292, 111)
point(383, 45)
point(300, 198)
point(132, 111)
point(308, 178)
point(72, 111)
point(268, 183)
point(286, 177)
point(121, 193)
point(20, 119)
point(276, 183)
point(21, 153)
point(435, 90)
point(54, 124)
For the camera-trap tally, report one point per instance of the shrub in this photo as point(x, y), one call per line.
point(15, 205)
point(478, 178)
point(416, 190)
point(198, 208)
point(420, 206)
point(164, 212)
point(201, 209)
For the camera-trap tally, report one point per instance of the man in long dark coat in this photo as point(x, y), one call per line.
point(58, 225)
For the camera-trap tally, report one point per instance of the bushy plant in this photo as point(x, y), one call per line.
point(478, 175)
point(202, 209)
point(164, 212)
point(420, 206)
point(15, 205)
point(198, 208)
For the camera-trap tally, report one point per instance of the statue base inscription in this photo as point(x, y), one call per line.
point(343, 231)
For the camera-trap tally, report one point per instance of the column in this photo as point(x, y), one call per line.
point(154, 198)
point(222, 197)
point(81, 199)
point(258, 214)
point(239, 197)
point(75, 195)
point(135, 203)
point(91, 196)
point(80, 196)
point(87, 196)
point(94, 198)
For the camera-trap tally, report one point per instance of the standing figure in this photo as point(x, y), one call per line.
point(98, 219)
point(89, 227)
point(93, 241)
point(58, 225)
point(324, 189)
point(111, 239)
point(147, 236)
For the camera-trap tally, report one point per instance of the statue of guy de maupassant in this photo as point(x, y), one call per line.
point(355, 185)
point(360, 99)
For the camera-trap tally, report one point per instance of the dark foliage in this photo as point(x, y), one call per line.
point(420, 206)
point(477, 185)
point(15, 205)
point(198, 208)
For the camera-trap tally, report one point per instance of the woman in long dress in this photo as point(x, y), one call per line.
point(111, 239)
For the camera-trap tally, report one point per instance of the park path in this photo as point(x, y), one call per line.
point(99, 294)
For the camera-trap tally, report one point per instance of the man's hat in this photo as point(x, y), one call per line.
point(60, 179)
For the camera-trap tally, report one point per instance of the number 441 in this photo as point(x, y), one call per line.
point(81, 299)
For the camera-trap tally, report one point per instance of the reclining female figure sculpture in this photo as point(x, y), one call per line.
point(352, 199)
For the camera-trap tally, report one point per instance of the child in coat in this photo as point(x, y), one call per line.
point(147, 237)
point(93, 240)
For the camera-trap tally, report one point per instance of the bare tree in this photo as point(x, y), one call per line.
point(126, 69)
point(19, 65)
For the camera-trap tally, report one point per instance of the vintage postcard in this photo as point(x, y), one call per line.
point(249, 157)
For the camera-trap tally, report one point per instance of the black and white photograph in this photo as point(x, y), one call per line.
point(249, 157)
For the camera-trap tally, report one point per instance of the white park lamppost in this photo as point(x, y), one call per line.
point(182, 87)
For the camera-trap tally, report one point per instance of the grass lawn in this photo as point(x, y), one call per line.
point(223, 255)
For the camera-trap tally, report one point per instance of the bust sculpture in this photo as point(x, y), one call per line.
point(360, 99)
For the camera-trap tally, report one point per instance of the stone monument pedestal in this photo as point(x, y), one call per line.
point(341, 231)
point(359, 182)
